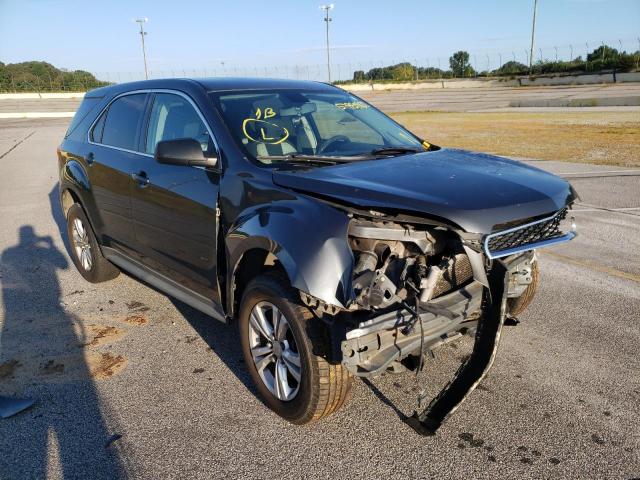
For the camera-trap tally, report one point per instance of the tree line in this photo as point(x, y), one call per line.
point(43, 77)
point(601, 59)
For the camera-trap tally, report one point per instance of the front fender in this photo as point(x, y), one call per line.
point(308, 238)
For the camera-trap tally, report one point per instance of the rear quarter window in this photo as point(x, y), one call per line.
point(86, 107)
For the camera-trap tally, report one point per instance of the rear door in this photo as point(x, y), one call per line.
point(113, 142)
point(174, 207)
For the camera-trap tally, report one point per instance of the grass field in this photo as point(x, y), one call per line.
point(606, 138)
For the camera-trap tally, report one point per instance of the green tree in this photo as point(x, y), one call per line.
point(42, 76)
point(459, 63)
point(512, 68)
point(601, 53)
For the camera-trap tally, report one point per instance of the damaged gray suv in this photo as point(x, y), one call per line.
point(341, 243)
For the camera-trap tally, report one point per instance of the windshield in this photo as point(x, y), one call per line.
point(290, 123)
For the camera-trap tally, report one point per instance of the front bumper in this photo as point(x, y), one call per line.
point(372, 347)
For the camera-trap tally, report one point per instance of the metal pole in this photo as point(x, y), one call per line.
point(571, 54)
point(144, 52)
point(586, 58)
point(533, 34)
point(327, 19)
point(556, 49)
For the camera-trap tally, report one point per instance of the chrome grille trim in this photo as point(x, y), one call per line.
point(541, 238)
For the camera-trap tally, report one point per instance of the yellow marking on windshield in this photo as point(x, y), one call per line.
point(263, 127)
point(268, 113)
point(352, 106)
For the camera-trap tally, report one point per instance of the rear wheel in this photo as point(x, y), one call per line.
point(285, 346)
point(85, 252)
point(520, 304)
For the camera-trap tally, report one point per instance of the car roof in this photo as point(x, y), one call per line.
point(212, 85)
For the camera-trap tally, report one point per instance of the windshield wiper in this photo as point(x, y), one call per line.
point(304, 158)
point(394, 150)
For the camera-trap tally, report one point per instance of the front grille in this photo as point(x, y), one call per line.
point(527, 234)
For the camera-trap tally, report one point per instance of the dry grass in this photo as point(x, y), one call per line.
point(606, 138)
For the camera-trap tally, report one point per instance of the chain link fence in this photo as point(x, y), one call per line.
point(582, 57)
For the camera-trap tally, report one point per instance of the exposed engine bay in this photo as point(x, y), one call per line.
point(415, 288)
point(401, 263)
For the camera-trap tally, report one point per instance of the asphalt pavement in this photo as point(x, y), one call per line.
point(131, 383)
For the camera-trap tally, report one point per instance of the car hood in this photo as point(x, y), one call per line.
point(474, 191)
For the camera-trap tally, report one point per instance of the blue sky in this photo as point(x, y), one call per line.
point(245, 36)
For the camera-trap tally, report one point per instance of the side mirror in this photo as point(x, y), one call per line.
point(183, 151)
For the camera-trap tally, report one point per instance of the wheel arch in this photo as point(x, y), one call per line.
point(253, 262)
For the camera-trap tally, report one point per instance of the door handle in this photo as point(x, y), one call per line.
point(141, 178)
point(90, 158)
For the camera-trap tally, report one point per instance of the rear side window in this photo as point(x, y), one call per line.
point(123, 121)
point(88, 104)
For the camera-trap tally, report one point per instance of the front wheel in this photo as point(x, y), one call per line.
point(285, 349)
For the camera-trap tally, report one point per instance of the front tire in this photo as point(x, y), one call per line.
point(285, 348)
point(85, 251)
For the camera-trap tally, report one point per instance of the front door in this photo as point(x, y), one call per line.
point(174, 207)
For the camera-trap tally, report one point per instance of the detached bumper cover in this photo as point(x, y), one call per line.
point(476, 367)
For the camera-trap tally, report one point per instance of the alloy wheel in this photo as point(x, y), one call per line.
point(81, 244)
point(274, 351)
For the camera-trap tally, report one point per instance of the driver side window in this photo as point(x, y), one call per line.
point(173, 117)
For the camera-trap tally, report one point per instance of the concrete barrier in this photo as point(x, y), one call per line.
point(43, 95)
point(431, 84)
point(4, 115)
point(560, 79)
point(566, 79)
point(630, 101)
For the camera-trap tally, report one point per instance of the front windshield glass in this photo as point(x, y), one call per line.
point(311, 123)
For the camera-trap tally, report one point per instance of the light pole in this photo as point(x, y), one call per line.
point(144, 52)
point(327, 19)
point(533, 34)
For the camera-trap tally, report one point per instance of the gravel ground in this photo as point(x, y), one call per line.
point(130, 383)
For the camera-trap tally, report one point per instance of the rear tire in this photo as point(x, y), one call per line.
point(85, 251)
point(520, 304)
point(322, 388)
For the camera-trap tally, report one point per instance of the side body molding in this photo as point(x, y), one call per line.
point(307, 237)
